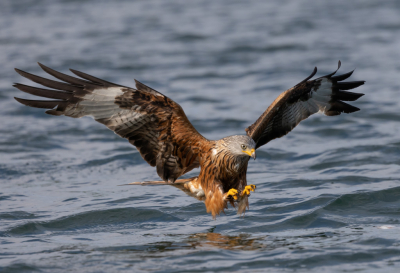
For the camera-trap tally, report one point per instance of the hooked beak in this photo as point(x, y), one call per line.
point(251, 153)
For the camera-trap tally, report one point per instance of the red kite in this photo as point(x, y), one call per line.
point(158, 127)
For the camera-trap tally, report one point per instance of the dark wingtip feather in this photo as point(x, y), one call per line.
point(333, 73)
point(65, 77)
point(19, 100)
point(342, 77)
point(349, 85)
point(309, 77)
point(47, 104)
point(346, 96)
point(351, 109)
point(46, 93)
point(93, 79)
point(342, 107)
point(19, 71)
point(47, 82)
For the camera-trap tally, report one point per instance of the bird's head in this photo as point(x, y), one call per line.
point(241, 145)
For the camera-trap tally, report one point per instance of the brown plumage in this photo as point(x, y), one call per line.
point(165, 138)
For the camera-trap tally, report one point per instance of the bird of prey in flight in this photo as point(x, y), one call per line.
point(158, 127)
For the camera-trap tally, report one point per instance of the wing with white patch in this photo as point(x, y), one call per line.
point(155, 124)
point(324, 95)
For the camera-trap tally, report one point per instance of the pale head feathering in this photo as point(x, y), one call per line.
point(240, 145)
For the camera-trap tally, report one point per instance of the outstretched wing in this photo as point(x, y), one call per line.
point(325, 95)
point(155, 124)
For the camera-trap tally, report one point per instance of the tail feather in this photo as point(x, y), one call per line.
point(146, 183)
point(160, 182)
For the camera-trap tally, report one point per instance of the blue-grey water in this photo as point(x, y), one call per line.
point(328, 194)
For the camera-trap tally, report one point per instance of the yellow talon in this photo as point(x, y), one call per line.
point(233, 193)
point(248, 188)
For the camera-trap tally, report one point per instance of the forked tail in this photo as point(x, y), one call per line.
point(188, 185)
point(177, 182)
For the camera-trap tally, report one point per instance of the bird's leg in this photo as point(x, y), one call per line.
point(248, 188)
point(233, 193)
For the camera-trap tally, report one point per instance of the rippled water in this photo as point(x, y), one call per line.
point(328, 194)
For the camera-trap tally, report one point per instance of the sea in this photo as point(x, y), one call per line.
point(328, 193)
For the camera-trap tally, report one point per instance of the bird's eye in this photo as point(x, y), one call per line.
point(244, 147)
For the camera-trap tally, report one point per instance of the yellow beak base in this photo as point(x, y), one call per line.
point(251, 153)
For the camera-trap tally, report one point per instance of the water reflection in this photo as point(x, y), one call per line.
point(193, 242)
point(239, 242)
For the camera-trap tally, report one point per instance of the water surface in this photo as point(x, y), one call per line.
point(328, 194)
